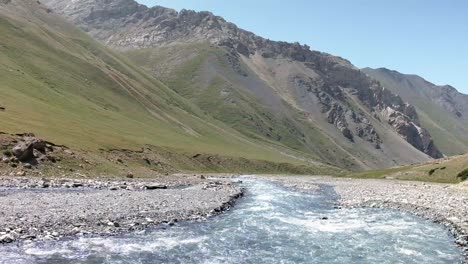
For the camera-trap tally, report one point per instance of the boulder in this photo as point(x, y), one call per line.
point(77, 185)
point(155, 186)
point(52, 159)
point(8, 238)
point(113, 224)
point(37, 143)
point(23, 151)
point(30, 148)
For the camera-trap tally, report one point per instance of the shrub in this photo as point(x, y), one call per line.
point(7, 153)
point(463, 175)
point(432, 171)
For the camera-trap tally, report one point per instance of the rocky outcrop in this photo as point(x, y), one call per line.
point(336, 116)
point(413, 86)
point(417, 136)
point(443, 106)
point(334, 104)
point(28, 151)
point(30, 148)
point(399, 114)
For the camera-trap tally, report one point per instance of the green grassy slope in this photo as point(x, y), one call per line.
point(65, 87)
point(204, 74)
point(444, 171)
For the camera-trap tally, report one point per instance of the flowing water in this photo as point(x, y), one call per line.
point(271, 224)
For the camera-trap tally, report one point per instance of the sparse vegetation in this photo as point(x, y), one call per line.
point(450, 170)
point(432, 171)
point(463, 175)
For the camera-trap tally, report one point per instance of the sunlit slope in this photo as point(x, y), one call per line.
point(60, 84)
point(449, 170)
point(259, 106)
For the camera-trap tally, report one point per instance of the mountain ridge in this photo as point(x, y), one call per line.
point(355, 105)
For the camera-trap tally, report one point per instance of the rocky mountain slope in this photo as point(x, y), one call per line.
point(277, 92)
point(442, 109)
point(66, 88)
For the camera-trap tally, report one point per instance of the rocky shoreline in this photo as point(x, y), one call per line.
point(50, 209)
point(445, 204)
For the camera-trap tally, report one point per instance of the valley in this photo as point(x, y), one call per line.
point(134, 133)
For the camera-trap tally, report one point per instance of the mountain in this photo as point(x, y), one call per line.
point(67, 88)
point(442, 109)
point(277, 92)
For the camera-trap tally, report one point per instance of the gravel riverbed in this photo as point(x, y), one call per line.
point(49, 209)
point(446, 204)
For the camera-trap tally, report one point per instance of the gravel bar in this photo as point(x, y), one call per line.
point(49, 209)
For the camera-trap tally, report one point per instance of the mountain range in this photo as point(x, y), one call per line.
point(193, 82)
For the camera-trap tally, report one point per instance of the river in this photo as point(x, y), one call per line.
point(271, 224)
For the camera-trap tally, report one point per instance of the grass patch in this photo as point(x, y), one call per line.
point(451, 170)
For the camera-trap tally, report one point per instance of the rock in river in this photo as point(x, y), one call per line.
point(155, 186)
point(7, 238)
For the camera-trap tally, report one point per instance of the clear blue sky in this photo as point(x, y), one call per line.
point(424, 37)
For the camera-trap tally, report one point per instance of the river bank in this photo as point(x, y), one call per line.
point(34, 209)
point(49, 209)
point(270, 224)
point(446, 204)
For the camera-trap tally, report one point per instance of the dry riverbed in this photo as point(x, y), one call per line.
point(442, 203)
point(48, 209)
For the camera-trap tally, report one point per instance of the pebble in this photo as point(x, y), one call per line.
point(113, 224)
point(8, 238)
